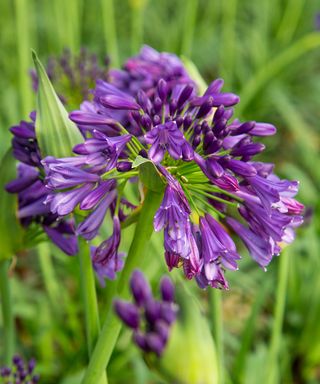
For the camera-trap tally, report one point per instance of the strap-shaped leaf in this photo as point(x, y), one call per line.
point(10, 229)
point(56, 133)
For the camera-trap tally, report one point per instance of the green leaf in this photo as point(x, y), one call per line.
point(139, 160)
point(10, 229)
point(56, 133)
point(149, 174)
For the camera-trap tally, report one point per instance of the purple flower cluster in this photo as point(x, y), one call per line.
point(20, 372)
point(205, 157)
point(32, 192)
point(142, 72)
point(149, 318)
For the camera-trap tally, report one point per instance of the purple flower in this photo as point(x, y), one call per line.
point(20, 371)
point(62, 234)
point(32, 197)
point(143, 72)
point(140, 288)
point(105, 258)
point(259, 247)
point(90, 226)
point(175, 222)
point(166, 137)
point(150, 319)
point(24, 143)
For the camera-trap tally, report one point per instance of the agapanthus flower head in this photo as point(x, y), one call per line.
point(204, 157)
point(142, 72)
point(149, 318)
point(20, 372)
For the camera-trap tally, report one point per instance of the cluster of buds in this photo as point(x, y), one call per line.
point(150, 319)
point(20, 372)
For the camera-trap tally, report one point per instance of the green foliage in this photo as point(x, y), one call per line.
point(148, 173)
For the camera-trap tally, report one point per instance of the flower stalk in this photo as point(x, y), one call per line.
point(87, 281)
point(7, 313)
point(112, 326)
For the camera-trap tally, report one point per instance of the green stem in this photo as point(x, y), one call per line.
point(110, 31)
point(7, 314)
point(216, 314)
point(49, 278)
point(275, 343)
point(89, 295)
point(112, 326)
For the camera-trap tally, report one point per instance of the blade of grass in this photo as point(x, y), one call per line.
point(228, 40)
point(272, 366)
point(302, 132)
point(49, 278)
point(7, 313)
point(190, 14)
point(216, 317)
point(23, 47)
point(271, 69)
point(110, 31)
point(290, 20)
point(248, 333)
point(137, 17)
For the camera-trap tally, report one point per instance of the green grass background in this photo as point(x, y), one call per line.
point(267, 51)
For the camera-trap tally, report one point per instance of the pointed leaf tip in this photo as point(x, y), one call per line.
point(56, 133)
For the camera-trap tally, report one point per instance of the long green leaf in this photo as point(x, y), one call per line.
point(10, 230)
point(56, 133)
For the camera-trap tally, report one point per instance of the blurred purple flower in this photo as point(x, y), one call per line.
point(149, 318)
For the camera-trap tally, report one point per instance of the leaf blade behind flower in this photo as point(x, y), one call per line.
point(56, 133)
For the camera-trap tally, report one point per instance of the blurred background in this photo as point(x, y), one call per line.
point(268, 52)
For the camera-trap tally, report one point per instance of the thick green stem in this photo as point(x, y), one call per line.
point(7, 314)
point(217, 328)
point(275, 343)
point(110, 31)
point(112, 326)
point(90, 303)
point(89, 296)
